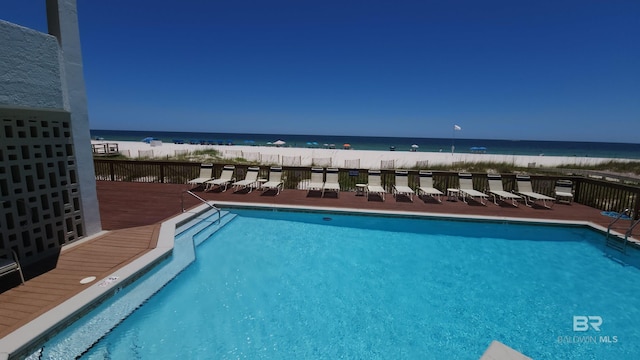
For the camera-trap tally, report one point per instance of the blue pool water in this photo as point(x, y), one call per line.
point(282, 285)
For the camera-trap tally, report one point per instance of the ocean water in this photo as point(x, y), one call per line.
point(502, 147)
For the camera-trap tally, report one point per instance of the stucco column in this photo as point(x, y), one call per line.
point(62, 17)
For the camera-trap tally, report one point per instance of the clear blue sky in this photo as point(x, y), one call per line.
point(540, 70)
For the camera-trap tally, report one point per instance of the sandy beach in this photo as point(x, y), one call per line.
point(366, 159)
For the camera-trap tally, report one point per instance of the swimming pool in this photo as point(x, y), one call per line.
point(282, 284)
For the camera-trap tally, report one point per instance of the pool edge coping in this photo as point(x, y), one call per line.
point(414, 214)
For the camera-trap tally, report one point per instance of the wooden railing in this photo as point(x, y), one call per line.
point(596, 193)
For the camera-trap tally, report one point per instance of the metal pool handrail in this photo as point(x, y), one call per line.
point(612, 243)
point(201, 200)
point(620, 215)
point(630, 230)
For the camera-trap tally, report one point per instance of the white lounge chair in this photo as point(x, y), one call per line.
point(275, 180)
point(564, 190)
point(467, 190)
point(9, 266)
point(401, 187)
point(225, 179)
point(250, 180)
point(425, 186)
point(317, 180)
point(530, 197)
point(206, 174)
point(497, 190)
point(332, 182)
point(374, 185)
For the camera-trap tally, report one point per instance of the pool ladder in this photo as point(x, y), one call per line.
point(201, 200)
point(616, 242)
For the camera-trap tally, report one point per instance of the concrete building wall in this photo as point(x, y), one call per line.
point(47, 177)
point(30, 72)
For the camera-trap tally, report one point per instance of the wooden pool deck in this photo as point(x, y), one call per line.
point(132, 213)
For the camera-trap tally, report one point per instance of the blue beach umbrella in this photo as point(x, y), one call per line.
point(148, 139)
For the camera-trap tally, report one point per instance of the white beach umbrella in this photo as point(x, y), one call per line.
point(415, 146)
point(279, 142)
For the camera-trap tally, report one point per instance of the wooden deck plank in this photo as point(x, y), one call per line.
point(98, 257)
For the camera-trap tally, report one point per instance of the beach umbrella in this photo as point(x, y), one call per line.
point(148, 139)
point(415, 146)
point(346, 146)
point(279, 142)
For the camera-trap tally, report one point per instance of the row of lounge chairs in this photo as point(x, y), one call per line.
point(563, 190)
point(227, 179)
point(425, 187)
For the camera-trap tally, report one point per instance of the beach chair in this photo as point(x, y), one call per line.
point(374, 185)
point(332, 183)
point(250, 180)
point(497, 190)
point(467, 190)
point(206, 174)
point(317, 180)
point(225, 179)
point(425, 186)
point(401, 187)
point(564, 191)
point(275, 180)
point(530, 197)
point(9, 266)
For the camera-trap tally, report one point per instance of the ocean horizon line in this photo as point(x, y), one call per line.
point(386, 143)
point(276, 135)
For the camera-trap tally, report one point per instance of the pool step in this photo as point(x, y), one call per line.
point(200, 221)
point(211, 227)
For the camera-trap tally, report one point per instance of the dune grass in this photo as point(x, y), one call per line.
point(618, 167)
point(621, 167)
point(482, 166)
